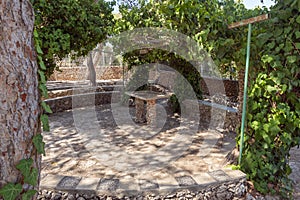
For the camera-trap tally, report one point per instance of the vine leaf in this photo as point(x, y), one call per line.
point(32, 177)
point(25, 166)
point(10, 191)
point(298, 19)
point(45, 122)
point(297, 33)
point(42, 76)
point(43, 89)
point(39, 144)
point(38, 49)
point(28, 195)
point(46, 107)
point(41, 63)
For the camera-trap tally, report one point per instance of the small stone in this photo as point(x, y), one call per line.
point(80, 198)
point(70, 197)
point(56, 196)
point(170, 196)
point(200, 196)
point(189, 196)
point(249, 197)
point(88, 196)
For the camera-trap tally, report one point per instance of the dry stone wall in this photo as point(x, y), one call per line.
point(115, 72)
point(81, 73)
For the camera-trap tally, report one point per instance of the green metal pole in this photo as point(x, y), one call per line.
point(245, 93)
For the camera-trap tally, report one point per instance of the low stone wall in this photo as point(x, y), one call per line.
point(116, 72)
point(60, 104)
point(212, 115)
point(229, 190)
point(231, 87)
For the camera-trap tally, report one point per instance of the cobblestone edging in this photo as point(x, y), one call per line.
point(219, 184)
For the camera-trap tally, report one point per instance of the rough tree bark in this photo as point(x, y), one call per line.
point(19, 96)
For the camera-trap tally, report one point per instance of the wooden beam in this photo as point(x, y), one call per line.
point(249, 21)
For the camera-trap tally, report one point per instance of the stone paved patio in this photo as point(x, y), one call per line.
point(109, 154)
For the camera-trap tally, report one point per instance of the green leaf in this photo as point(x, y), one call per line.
point(271, 89)
point(274, 129)
point(45, 122)
point(271, 45)
point(46, 107)
point(291, 59)
point(42, 76)
point(25, 166)
point(11, 191)
point(297, 33)
point(32, 177)
point(44, 90)
point(297, 45)
point(39, 144)
point(298, 19)
point(29, 194)
point(266, 59)
point(266, 137)
point(41, 63)
point(38, 49)
point(35, 33)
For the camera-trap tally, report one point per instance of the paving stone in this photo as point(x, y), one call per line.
point(204, 179)
point(219, 175)
point(68, 182)
point(108, 184)
point(88, 184)
point(51, 181)
point(148, 184)
point(234, 174)
point(167, 181)
point(129, 184)
point(185, 181)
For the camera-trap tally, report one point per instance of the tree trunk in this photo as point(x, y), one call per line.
point(19, 96)
point(92, 71)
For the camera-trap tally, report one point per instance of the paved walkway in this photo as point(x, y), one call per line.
point(91, 145)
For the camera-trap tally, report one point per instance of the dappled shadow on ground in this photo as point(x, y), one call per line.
point(85, 147)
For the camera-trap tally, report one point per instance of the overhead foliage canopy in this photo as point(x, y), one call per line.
point(71, 27)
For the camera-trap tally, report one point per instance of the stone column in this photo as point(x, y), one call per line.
point(151, 111)
point(139, 110)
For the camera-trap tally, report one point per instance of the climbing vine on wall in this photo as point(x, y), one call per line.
point(274, 106)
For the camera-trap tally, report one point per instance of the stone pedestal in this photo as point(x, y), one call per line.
point(151, 111)
point(139, 106)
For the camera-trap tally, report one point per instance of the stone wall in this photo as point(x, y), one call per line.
point(81, 73)
point(60, 104)
point(231, 87)
point(116, 72)
point(212, 115)
point(235, 189)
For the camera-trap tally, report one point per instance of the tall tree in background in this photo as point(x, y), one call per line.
point(74, 27)
point(19, 96)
